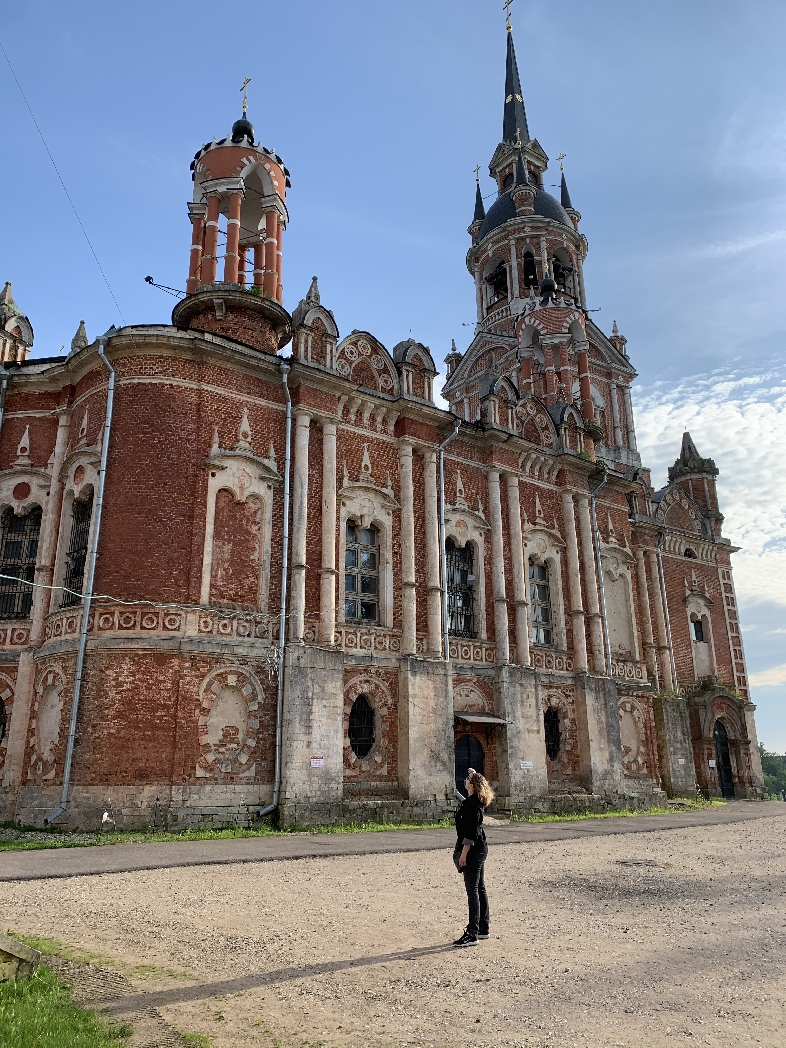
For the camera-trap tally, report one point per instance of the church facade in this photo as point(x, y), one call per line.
point(237, 581)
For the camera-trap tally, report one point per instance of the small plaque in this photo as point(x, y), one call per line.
point(680, 760)
point(317, 760)
point(712, 764)
point(526, 765)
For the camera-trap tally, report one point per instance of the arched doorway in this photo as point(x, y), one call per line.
point(723, 760)
point(469, 754)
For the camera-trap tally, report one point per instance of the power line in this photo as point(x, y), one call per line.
point(62, 183)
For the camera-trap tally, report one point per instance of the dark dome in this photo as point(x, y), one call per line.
point(243, 128)
point(503, 210)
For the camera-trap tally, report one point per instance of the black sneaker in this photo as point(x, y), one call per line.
point(466, 940)
point(483, 935)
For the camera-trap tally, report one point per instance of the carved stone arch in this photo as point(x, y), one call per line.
point(698, 609)
point(363, 359)
point(527, 327)
point(467, 697)
point(228, 725)
point(678, 510)
point(379, 697)
point(571, 429)
point(250, 481)
point(534, 423)
point(47, 723)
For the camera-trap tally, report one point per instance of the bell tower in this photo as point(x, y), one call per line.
point(238, 215)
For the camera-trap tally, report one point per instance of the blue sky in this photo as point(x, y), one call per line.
point(673, 119)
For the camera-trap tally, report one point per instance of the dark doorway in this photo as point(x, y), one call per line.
point(723, 760)
point(469, 754)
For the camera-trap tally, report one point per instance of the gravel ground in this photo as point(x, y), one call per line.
point(641, 940)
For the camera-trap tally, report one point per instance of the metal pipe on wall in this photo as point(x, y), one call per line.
point(87, 589)
point(282, 624)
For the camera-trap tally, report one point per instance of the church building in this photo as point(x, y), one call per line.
point(251, 567)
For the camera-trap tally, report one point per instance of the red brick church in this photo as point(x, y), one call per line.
point(251, 566)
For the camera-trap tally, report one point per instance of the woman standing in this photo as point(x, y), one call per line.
point(470, 854)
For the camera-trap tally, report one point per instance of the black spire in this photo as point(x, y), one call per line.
point(564, 195)
point(480, 211)
point(521, 172)
point(515, 117)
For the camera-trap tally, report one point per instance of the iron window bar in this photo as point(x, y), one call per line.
point(541, 631)
point(18, 553)
point(461, 590)
point(76, 557)
point(361, 574)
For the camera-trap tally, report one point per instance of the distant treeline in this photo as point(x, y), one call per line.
point(774, 768)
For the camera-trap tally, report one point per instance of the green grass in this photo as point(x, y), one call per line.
point(79, 839)
point(199, 1040)
point(38, 1012)
point(685, 806)
point(54, 948)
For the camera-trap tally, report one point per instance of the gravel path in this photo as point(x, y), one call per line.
point(640, 940)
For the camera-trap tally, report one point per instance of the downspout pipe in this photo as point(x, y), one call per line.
point(4, 380)
point(282, 622)
point(442, 557)
point(599, 565)
point(88, 585)
point(662, 580)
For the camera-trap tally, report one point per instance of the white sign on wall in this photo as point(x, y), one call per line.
point(680, 760)
point(526, 765)
point(712, 764)
point(317, 760)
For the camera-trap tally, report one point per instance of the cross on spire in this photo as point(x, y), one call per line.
point(244, 89)
point(506, 6)
point(477, 172)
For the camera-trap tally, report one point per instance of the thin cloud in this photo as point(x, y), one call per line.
point(738, 246)
point(770, 678)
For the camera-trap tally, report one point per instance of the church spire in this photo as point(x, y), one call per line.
point(480, 211)
point(515, 118)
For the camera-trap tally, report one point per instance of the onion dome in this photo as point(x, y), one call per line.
point(504, 209)
point(243, 128)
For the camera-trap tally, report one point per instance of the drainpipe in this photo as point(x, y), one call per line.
point(282, 622)
point(442, 557)
point(88, 586)
point(662, 580)
point(3, 387)
point(599, 564)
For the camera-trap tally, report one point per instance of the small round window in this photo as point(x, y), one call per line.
point(361, 727)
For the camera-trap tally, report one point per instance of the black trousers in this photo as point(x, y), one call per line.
point(477, 899)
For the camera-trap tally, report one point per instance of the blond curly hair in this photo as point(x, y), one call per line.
point(482, 788)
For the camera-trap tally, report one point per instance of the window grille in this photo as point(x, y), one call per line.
point(361, 727)
point(77, 551)
point(461, 590)
point(361, 574)
point(540, 604)
point(3, 720)
point(553, 736)
point(18, 552)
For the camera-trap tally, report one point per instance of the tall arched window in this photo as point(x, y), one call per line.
point(530, 270)
point(77, 551)
point(18, 552)
point(540, 604)
point(553, 737)
point(461, 589)
point(361, 727)
point(361, 574)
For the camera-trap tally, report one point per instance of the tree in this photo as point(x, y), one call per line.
point(774, 768)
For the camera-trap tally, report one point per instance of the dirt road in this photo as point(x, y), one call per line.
point(643, 940)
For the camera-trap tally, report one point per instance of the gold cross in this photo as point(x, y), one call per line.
point(518, 137)
point(561, 157)
point(244, 89)
point(506, 5)
point(477, 173)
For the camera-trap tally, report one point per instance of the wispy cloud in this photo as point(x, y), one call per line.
point(770, 678)
point(739, 245)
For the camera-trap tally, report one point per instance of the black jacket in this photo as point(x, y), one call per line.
point(469, 823)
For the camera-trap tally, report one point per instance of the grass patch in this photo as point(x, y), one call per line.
point(29, 838)
point(199, 1040)
point(54, 948)
point(684, 806)
point(38, 1012)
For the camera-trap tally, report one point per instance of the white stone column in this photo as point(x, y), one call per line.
point(498, 570)
point(650, 654)
point(433, 588)
point(615, 415)
point(581, 282)
point(629, 418)
point(519, 571)
point(574, 581)
point(664, 658)
point(478, 293)
point(299, 528)
point(327, 583)
point(408, 601)
point(514, 269)
point(591, 585)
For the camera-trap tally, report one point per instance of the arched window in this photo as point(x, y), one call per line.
point(690, 554)
point(540, 604)
point(551, 728)
point(530, 270)
point(698, 630)
point(77, 551)
point(508, 183)
point(3, 720)
point(461, 589)
point(18, 552)
point(361, 727)
point(563, 273)
point(498, 281)
point(361, 574)
point(533, 178)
